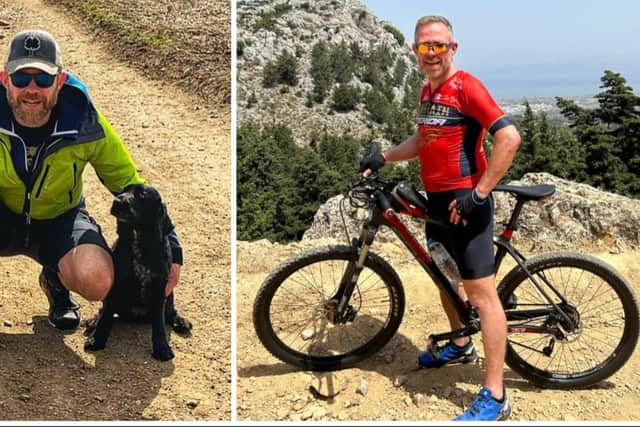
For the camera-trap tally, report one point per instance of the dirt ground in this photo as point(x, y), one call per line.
point(395, 389)
point(181, 145)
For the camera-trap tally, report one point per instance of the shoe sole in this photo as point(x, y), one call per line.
point(505, 413)
point(66, 325)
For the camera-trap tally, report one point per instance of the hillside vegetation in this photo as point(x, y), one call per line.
point(319, 81)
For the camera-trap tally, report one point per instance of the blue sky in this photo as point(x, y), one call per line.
point(529, 48)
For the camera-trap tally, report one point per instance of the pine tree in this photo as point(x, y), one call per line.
point(609, 135)
point(321, 71)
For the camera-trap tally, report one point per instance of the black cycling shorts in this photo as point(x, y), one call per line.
point(48, 240)
point(471, 245)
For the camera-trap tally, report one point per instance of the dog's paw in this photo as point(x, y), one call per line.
point(163, 354)
point(91, 344)
point(182, 326)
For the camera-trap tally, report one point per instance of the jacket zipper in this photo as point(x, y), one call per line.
point(75, 182)
point(29, 189)
point(44, 177)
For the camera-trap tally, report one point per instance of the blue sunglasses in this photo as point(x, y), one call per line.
point(21, 79)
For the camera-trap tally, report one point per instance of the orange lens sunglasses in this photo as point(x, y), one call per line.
point(438, 48)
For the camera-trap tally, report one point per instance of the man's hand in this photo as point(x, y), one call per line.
point(174, 276)
point(371, 163)
point(462, 207)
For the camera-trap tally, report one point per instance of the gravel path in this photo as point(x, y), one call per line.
point(388, 386)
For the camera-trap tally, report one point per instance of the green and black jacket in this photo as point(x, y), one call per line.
point(54, 185)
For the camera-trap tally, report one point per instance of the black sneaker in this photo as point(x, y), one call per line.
point(64, 312)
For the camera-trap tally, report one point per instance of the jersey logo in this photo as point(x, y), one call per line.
point(32, 44)
point(431, 121)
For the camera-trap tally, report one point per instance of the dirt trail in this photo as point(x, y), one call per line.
point(182, 146)
point(271, 390)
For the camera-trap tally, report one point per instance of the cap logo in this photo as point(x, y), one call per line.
point(32, 44)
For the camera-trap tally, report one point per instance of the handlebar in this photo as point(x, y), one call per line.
point(364, 191)
point(375, 190)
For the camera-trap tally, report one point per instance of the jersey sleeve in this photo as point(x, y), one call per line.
point(476, 102)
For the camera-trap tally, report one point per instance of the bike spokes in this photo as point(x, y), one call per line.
point(576, 341)
point(304, 312)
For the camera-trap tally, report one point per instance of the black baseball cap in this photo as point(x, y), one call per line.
point(34, 49)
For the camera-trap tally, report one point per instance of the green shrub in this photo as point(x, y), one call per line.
point(395, 32)
point(345, 98)
point(284, 71)
point(240, 48)
point(270, 75)
point(252, 100)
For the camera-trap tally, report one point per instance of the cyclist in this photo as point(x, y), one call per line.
point(455, 112)
point(49, 131)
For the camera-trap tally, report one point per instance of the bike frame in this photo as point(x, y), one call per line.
point(382, 213)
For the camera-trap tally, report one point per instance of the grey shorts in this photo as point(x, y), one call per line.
point(47, 241)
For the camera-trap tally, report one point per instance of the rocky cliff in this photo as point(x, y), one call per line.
point(266, 29)
point(576, 216)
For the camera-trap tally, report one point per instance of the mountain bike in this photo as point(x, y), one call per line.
point(572, 319)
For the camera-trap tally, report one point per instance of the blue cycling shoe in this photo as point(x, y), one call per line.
point(447, 354)
point(486, 408)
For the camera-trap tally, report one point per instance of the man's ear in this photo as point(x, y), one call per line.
point(415, 51)
point(62, 78)
point(4, 78)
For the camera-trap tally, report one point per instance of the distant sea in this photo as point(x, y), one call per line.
point(550, 80)
point(512, 88)
point(540, 90)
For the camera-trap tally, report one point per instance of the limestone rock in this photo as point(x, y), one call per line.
point(295, 27)
point(575, 216)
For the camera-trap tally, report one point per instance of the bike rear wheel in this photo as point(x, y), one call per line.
point(293, 316)
point(597, 341)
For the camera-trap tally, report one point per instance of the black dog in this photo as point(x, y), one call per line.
point(142, 261)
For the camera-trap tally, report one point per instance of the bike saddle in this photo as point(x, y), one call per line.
point(408, 193)
point(530, 192)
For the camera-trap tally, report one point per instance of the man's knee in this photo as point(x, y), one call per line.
point(88, 271)
point(482, 292)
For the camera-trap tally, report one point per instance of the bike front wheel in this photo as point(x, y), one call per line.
point(592, 340)
point(294, 312)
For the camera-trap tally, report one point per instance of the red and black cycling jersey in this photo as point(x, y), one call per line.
point(452, 122)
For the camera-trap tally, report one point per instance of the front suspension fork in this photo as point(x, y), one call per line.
point(351, 274)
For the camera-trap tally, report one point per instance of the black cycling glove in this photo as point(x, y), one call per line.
point(372, 161)
point(465, 205)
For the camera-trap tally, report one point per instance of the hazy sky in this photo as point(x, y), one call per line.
point(528, 48)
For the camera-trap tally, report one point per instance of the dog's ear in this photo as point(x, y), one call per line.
point(167, 225)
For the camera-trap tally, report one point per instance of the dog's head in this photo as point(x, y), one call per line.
point(141, 207)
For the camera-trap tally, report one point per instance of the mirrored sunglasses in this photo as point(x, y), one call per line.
point(21, 79)
point(437, 48)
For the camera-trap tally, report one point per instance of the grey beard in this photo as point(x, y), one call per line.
point(32, 118)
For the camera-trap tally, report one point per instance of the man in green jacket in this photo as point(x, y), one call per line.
point(49, 131)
